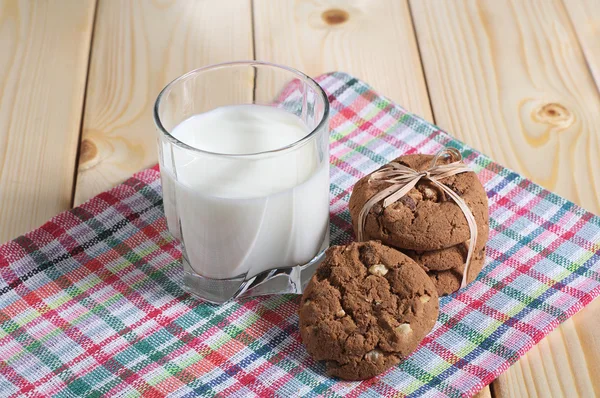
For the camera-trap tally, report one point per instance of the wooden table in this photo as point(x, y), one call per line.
point(517, 80)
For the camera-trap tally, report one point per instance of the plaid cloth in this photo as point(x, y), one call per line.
point(91, 302)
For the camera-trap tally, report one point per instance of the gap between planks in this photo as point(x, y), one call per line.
point(85, 92)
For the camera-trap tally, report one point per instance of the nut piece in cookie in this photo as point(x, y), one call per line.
point(367, 307)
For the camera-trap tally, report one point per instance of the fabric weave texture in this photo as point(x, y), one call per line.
point(91, 303)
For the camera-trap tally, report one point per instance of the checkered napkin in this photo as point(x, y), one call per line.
point(91, 302)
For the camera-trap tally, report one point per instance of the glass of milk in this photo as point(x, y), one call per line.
point(244, 161)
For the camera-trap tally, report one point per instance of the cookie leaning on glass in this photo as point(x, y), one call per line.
point(428, 207)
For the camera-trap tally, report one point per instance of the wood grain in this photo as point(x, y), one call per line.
point(585, 16)
point(511, 80)
point(138, 48)
point(484, 393)
point(43, 68)
point(373, 41)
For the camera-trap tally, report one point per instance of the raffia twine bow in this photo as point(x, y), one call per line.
point(403, 179)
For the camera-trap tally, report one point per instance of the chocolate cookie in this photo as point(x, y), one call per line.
point(447, 282)
point(449, 258)
point(366, 308)
point(425, 218)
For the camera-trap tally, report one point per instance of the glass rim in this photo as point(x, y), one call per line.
point(311, 82)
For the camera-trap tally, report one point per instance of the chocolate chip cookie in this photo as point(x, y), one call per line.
point(448, 281)
point(452, 257)
point(425, 218)
point(366, 308)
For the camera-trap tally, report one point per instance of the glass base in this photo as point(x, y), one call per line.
point(274, 281)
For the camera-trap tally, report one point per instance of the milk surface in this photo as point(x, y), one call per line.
point(244, 215)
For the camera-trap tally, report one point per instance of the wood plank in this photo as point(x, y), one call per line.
point(585, 15)
point(484, 393)
point(138, 48)
point(43, 69)
point(373, 41)
point(513, 82)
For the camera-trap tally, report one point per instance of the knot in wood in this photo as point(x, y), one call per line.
point(335, 16)
point(87, 151)
point(555, 114)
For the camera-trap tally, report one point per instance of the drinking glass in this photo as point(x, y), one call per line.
point(269, 236)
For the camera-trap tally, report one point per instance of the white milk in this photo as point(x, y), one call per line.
point(246, 214)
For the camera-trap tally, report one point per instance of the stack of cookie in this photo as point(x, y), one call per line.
point(426, 224)
point(370, 303)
